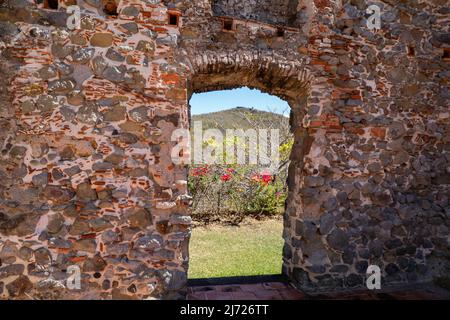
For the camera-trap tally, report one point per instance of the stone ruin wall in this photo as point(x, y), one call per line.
point(87, 116)
point(282, 12)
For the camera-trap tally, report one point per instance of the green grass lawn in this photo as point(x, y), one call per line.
point(254, 248)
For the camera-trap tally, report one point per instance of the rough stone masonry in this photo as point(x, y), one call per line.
point(86, 117)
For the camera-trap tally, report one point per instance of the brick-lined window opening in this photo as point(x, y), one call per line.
point(51, 4)
point(446, 55)
point(411, 51)
point(174, 19)
point(110, 7)
point(280, 32)
point(228, 24)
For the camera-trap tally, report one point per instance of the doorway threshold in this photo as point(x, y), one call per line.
point(237, 280)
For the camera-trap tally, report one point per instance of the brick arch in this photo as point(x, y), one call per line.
point(273, 74)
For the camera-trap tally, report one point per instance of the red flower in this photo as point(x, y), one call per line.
point(263, 178)
point(225, 177)
point(266, 178)
point(231, 170)
point(201, 171)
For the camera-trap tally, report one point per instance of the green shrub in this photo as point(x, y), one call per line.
point(267, 200)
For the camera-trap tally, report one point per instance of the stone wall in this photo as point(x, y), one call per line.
point(281, 12)
point(376, 179)
point(87, 116)
point(87, 177)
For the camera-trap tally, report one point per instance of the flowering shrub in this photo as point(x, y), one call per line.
point(237, 191)
point(219, 191)
point(200, 171)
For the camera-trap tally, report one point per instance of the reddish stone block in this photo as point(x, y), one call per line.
point(303, 50)
point(319, 62)
point(378, 132)
point(355, 130)
point(170, 78)
point(329, 122)
point(315, 124)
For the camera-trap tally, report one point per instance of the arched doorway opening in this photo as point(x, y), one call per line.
point(274, 75)
point(237, 206)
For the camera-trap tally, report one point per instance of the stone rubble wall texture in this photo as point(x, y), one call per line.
point(86, 118)
point(282, 12)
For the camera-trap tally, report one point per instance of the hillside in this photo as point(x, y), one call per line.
point(243, 118)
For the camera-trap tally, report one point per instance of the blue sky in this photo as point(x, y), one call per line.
point(244, 97)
